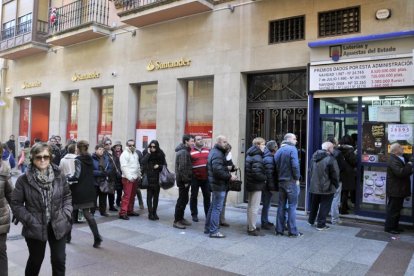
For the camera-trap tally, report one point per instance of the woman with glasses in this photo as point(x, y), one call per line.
point(152, 162)
point(42, 202)
point(83, 188)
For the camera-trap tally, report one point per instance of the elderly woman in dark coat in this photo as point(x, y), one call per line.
point(152, 162)
point(42, 202)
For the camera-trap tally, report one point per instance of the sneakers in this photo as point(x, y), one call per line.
point(322, 228)
point(124, 217)
point(217, 235)
point(255, 233)
point(195, 218)
point(185, 222)
point(179, 225)
point(298, 235)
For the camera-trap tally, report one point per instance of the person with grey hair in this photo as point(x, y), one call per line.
point(324, 181)
point(271, 182)
point(398, 186)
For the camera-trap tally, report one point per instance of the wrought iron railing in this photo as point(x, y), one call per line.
point(78, 13)
point(8, 33)
point(127, 5)
point(24, 27)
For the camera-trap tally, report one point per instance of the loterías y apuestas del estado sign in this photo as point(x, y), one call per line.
point(158, 65)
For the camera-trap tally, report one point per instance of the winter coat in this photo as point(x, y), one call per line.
point(348, 172)
point(218, 172)
point(11, 144)
point(118, 171)
point(272, 181)
point(287, 163)
point(398, 177)
point(101, 173)
point(183, 165)
point(6, 188)
point(56, 154)
point(324, 173)
point(8, 156)
point(148, 162)
point(255, 170)
point(67, 164)
point(83, 188)
point(29, 208)
point(130, 166)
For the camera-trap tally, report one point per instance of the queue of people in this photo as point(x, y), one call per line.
point(46, 197)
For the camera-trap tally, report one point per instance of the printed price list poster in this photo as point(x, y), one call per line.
point(369, 74)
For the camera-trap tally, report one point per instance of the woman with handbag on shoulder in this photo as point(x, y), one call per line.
point(102, 169)
point(152, 164)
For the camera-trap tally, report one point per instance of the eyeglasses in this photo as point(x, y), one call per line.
point(131, 145)
point(108, 144)
point(40, 157)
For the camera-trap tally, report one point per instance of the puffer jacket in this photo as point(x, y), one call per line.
point(28, 206)
point(398, 177)
point(130, 166)
point(83, 188)
point(324, 173)
point(348, 170)
point(183, 165)
point(6, 189)
point(218, 172)
point(272, 181)
point(67, 164)
point(101, 173)
point(255, 170)
point(287, 162)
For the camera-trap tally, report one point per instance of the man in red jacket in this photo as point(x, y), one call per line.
point(199, 156)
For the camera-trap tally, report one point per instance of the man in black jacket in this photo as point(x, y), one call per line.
point(12, 145)
point(184, 172)
point(324, 180)
point(218, 177)
point(398, 187)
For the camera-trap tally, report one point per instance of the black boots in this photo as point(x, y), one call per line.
point(152, 214)
point(97, 241)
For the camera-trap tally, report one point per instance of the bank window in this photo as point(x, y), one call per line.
point(8, 29)
point(24, 24)
point(199, 119)
point(147, 116)
point(105, 113)
point(72, 125)
point(339, 22)
point(287, 30)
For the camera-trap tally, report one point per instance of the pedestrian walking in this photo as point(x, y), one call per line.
point(42, 202)
point(199, 156)
point(398, 186)
point(287, 165)
point(184, 173)
point(218, 177)
point(152, 163)
point(6, 189)
point(83, 189)
point(131, 173)
point(272, 183)
point(324, 181)
point(255, 183)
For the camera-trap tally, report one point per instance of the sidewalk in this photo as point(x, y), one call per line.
point(143, 247)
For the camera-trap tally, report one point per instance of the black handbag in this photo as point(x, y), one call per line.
point(167, 178)
point(143, 184)
point(235, 185)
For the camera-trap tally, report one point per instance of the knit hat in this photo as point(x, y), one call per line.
point(117, 143)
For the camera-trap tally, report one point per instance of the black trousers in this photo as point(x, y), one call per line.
point(37, 250)
point(102, 200)
point(153, 193)
point(323, 204)
point(91, 222)
point(394, 207)
point(182, 202)
point(3, 255)
point(205, 189)
point(111, 200)
point(118, 197)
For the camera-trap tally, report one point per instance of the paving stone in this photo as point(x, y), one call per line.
point(349, 269)
point(362, 256)
point(167, 246)
point(320, 262)
point(208, 257)
point(271, 268)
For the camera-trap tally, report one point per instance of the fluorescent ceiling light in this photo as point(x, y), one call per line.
point(366, 99)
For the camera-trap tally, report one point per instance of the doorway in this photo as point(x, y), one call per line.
point(34, 119)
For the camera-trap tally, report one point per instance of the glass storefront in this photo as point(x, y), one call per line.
point(72, 125)
point(106, 100)
point(374, 123)
point(147, 115)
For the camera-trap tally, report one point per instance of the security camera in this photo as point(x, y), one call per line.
point(114, 74)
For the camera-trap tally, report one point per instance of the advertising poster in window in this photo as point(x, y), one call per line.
point(373, 141)
point(144, 137)
point(374, 190)
point(403, 133)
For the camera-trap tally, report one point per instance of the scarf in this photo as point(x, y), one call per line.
point(45, 183)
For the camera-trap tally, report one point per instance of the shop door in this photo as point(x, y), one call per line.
point(276, 105)
point(39, 118)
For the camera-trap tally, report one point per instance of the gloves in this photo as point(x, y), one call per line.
point(15, 220)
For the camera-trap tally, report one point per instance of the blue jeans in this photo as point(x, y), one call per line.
point(213, 215)
point(23, 168)
point(335, 205)
point(266, 198)
point(288, 192)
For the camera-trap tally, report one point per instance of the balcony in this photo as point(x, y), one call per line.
point(140, 13)
point(19, 41)
point(79, 21)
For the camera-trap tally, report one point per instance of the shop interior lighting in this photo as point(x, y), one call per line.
point(366, 99)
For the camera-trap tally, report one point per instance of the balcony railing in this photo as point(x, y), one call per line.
point(80, 12)
point(24, 28)
point(127, 5)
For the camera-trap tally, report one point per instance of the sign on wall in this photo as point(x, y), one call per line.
point(400, 132)
point(374, 187)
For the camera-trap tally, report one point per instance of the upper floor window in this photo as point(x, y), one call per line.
point(339, 22)
point(287, 29)
point(24, 24)
point(8, 29)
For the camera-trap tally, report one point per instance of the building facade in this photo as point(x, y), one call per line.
point(158, 69)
